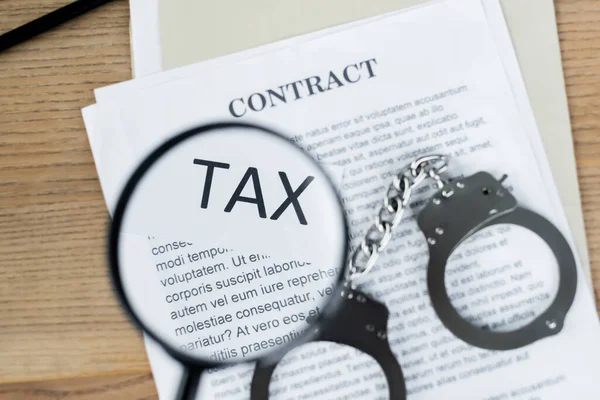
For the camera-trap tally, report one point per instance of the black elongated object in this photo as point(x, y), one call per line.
point(48, 21)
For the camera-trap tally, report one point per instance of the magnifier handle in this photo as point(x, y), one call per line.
point(188, 386)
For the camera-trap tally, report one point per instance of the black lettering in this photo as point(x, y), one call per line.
point(347, 77)
point(369, 67)
point(232, 109)
point(279, 96)
point(334, 80)
point(292, 197)
point(258, 200)
point(296, 92)
point(316, 84)
point(263, 102)
point(211, 165)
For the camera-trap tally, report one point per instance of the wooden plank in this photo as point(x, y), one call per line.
point(58, 315)
point(122, 387)
point(579, 32)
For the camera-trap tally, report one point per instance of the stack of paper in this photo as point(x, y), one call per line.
point(442, 77)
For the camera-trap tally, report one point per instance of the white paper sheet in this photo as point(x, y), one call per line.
point(533, 29)
point(128, 91)
point(560, 366)
point(145, 37)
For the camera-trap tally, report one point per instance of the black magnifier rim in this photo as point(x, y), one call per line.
point(329, 308)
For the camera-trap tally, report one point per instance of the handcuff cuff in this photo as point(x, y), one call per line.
point(458, 210)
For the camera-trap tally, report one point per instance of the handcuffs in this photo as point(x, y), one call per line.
point(460, 209)
point(360, 322)
point(454, 213)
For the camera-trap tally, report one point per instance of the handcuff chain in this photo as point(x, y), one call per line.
point(390, 214)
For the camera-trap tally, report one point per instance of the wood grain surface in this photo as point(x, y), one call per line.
point(62, 334)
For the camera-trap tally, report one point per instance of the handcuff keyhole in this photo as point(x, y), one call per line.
point(485, 191)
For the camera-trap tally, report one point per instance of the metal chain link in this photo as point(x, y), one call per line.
point(390, 214)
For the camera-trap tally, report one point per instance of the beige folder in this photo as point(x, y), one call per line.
point(193, 31)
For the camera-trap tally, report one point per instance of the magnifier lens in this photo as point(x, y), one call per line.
point(228, 243)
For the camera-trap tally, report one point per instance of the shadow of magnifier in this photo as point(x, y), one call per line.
point(227, 245)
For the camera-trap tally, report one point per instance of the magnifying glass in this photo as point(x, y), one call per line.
point(227, 246)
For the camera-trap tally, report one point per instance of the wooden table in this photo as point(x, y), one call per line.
point(62, 335)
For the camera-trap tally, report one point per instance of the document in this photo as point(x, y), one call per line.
point(371, 99)
point(533, 31)
point(532, 26)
